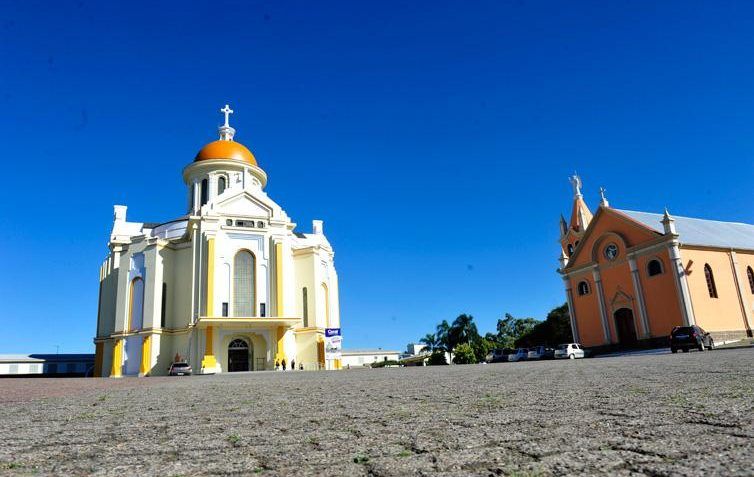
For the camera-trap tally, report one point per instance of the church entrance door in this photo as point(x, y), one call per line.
point(624, 324)
point(238, 356)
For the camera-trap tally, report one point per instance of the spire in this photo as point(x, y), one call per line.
point(668, 223)
point(580, 214)
point(603, 199)
point(563, 226)
point(226, 132)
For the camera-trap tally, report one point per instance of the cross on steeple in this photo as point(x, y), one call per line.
point(603, 198)
point(227, 112)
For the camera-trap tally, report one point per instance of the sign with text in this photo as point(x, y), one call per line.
point(333, 343)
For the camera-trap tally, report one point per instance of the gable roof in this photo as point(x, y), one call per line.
point(702, 232)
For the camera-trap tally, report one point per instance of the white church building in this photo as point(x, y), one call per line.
point(230, 286)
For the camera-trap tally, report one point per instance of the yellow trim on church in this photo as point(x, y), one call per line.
point(209, 360)
point(115, 369)
point(279, 278)
point(146, 356)
point(210, 276)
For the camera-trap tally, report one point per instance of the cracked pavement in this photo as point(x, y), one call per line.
point(684, 414)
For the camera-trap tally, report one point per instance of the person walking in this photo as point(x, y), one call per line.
point(277, 365)
point(282, 362)
point(293, 364)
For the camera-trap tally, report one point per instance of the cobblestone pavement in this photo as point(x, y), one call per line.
point(684, 414)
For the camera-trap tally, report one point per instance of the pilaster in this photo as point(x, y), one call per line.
point(571, 309)
point(639, 293)
point(681, 284)
point(603, 309)
point(737, 279)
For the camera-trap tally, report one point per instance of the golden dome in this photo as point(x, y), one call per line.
point(222, 149)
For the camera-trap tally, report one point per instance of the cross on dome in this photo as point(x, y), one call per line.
point(226, 132)
point(227, 112)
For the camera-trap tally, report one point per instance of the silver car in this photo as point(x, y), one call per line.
point(180, 368)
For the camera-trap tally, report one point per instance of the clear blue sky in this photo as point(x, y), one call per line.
point(434, 139)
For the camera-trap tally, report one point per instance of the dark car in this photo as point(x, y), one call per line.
point(690, 337)
point(180, 368)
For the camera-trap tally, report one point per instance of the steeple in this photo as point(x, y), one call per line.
point(580, 213)
point(603, 199)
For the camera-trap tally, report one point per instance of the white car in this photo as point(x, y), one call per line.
point(570, 350)
point(520, 355)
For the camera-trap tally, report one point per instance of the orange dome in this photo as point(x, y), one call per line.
point(226, 150)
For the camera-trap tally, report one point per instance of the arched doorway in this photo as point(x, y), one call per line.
point(624, 325)
point(239, 355)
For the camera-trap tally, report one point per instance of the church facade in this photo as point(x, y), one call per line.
point(230, 286)
point(632, 276)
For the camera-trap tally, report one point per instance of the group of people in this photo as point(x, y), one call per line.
point(282, 363)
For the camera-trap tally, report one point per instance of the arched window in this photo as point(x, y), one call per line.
point(326, 303)
point(583, 288)
point(750, 274)
point(306, 307)
point(136, 305)
point(244, 284)
point(204, 192)
point(570, 249)
point(654, 267)
point(220, 185)
point(710, 281)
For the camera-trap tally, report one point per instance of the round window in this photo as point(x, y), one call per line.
point(611, 251)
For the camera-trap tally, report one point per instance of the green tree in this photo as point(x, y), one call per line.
point(431, 343)
point(554, 330)
point(443, 336)
point(464, 354)
point(482, 347)
point(437, 358)
point(463, 330)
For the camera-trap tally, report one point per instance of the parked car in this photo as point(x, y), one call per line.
point(519, 355)
point(569, 350)
point(688, 337)
point(180, 368)
point(499, 355)
point(541, 352)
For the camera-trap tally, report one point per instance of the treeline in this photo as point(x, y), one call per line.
point(462, 340)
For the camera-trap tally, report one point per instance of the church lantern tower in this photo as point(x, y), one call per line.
point(572, 232)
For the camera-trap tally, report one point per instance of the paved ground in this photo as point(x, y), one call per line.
point(684, 414)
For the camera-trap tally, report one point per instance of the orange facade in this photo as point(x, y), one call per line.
point(628, 280)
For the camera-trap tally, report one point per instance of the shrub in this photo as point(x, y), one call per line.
point(382, 364)
point(437, 359)
point(464, 354)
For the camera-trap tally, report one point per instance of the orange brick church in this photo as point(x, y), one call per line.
point(632, 276)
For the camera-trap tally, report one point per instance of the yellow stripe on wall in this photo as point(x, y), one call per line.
point(146, 356)
point(279, 278)
point(210, 276)
point(115, 369)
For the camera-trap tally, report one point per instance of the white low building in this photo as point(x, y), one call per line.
point(357, 358)
point(46, 364)
point(229, 286)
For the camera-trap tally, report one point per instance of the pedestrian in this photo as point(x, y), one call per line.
point(282, 362)
point(277, 365)
point(301, 367)
point(293, 364)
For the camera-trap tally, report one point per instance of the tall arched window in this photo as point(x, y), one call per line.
point(164, 304)
point(136, 305)
point(306, 307)
point(654, 267)
point(326, 303)
point(710, 281)
point(244, 284)
point(570, 249)
point(204, 192)
point(220, 185)
point(583, 288)
point(750, 274)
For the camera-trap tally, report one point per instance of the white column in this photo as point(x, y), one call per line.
point(571, 309)
point(197, 197)
point(639, 293)
point(601, 299)
point(681, 284)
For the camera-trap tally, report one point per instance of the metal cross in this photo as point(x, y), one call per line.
point(227, 112)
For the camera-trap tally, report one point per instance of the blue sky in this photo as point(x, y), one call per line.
point(434, 139)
